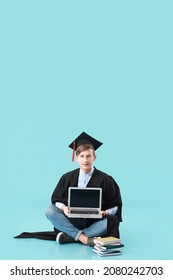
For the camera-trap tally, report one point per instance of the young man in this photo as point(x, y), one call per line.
point(84, 229)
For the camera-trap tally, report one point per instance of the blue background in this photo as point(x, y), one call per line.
point(103, 67)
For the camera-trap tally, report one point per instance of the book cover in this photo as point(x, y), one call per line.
point(109, 247)
point(107, 240)
point(104, 254)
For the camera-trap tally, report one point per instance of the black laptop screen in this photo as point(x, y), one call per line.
point(85, 198)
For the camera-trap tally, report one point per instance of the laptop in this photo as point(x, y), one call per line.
point(84, 202)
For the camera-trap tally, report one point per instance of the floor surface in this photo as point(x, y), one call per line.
point(142, 238)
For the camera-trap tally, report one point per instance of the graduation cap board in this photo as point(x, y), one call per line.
point(82, 139)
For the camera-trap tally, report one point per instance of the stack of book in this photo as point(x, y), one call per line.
point(107, 246)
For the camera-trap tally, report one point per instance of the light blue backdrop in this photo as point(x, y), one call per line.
point(103, 67)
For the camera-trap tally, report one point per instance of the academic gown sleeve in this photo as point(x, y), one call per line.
point(60, 194)
point(117, 199)
point(111, 195)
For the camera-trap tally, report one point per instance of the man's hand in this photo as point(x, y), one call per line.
point(65, 210)
point(104, 213)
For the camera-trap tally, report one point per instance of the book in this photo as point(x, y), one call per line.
point(107, 253)
point(107, 240)
point(108, 248)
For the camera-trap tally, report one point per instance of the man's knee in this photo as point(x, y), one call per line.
point(50, 211)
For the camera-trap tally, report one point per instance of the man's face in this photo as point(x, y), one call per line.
point(85, 160)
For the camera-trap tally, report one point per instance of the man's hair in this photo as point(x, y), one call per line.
point(84, 147)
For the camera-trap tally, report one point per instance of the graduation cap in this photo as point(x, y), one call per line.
point(84, 138)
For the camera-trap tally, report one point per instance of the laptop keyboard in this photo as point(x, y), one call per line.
point(84, 212)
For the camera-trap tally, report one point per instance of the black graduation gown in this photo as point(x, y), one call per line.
point(110, 197)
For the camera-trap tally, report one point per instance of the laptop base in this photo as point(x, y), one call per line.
point(85, 216)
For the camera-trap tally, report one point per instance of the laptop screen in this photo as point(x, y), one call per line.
point(85, 197)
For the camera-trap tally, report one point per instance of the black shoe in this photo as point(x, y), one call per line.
point(63, 238)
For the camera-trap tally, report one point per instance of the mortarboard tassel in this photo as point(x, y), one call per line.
point(74, 148)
